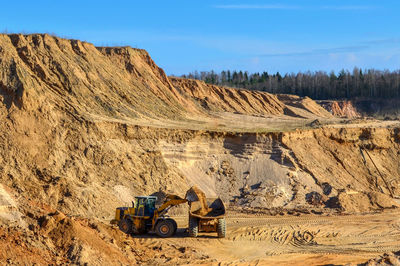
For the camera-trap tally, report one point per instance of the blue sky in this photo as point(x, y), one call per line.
point(183, 36)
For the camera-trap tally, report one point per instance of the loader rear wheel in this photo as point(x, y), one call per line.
point(193, 227)
point(125, 225)
point(165, 228)
point(221, 228)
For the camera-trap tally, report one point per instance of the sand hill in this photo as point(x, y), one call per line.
point(83, 129)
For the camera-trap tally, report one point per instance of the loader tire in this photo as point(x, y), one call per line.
point(193, 227)
point(125, 225)
point(221, 228)
point(174, 223)
point(165, 228)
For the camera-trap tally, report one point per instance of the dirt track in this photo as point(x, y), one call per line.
point(308, 239)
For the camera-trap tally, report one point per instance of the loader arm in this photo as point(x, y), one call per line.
point(171, 201)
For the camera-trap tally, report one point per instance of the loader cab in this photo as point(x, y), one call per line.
point(145, 205)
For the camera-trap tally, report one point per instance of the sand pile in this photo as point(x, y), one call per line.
point(303, 107)
point(392, 258)
point(341, 108)
point(359, 202)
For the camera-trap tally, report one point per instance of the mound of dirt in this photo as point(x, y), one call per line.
point(303, 107)
point(392, 258)
point(353, 202)
point(344, 109)
point(60, 239)
point(382, 201)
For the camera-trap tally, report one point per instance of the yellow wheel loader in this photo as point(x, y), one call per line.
point(205, 215)
point(143, 216)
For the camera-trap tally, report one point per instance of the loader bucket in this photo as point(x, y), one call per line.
point(202, 207)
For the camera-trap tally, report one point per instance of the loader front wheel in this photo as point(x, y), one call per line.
point(165, 228)
point(221, 228)
point(193, 227)
point(174, 223)
point(125, 225)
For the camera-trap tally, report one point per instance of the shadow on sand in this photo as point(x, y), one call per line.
point(180, 233)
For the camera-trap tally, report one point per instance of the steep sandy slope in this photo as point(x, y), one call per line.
point(217, 99)
point(282, 169)
point(360, 164)
point(74, 140)
point(41, 70)
point(52, 152)
point(68, 138)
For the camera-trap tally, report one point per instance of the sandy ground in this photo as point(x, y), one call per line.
point(308, 239)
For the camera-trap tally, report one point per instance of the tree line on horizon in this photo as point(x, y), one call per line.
point(318, 85)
